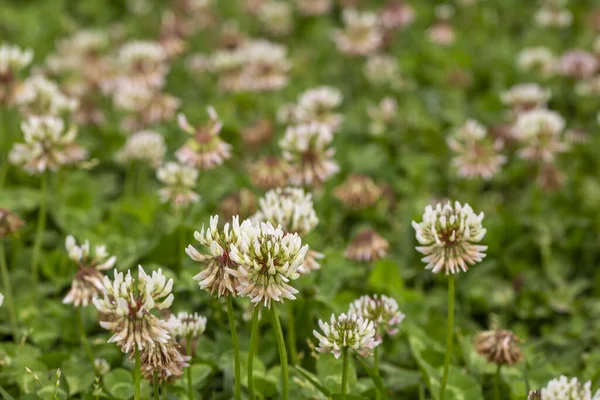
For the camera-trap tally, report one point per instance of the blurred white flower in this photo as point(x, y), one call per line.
point(382, 310)
point(307, 149)
point(317, 105)
point(144, 146)
point(204, 149)
point(276, 17)
point(42, 97)
point(47, 146)
point(88, 281)
point(128, 303)
point(448, 236)
point(187, 325)
point(142, 63)
point(564, 388)
point(101, 366)
point(526, 96)
point(267, 263)
point(579, 64)
point(358, 192)
point(179, 182)
point(1, 299)
point(538, 60)
point(553, 17)
point(13, 59)
point(290, 208)
point(367, 246)
point(314, 7)
point(361, 34)
point(346, 331)
point(382, 115)
point(540, 132)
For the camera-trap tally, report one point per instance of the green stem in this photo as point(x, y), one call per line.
point(82, 336)
point(189, 369)
point(449, 331)
point(155, 385)
point(526, 376)
point(291, 334)
point(37, 246)
point(165, 391)
point(253, 343)
point(138, 375)
point(237, 392)
point(8, 293)
point(376, 368)
point(344, 372)
point(497, 383)
point(282, 352)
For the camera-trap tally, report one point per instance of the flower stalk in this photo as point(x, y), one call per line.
point(8, 293)
point(282, 352)
point(448, 336)
point(252, 352)
point(236, 350)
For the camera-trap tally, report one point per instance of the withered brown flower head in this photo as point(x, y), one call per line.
point(242, 203)
point(269, 172)
point(165, 359)
point(367, 245)
point(358, 191)
point(258, 134)
point(9, 223)
point(499, 347)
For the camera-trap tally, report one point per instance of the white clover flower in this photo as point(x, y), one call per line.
point(361, 35)
point(578, 64)
point(382, 70)
point(186, 325)
point(314, 7)
point(204, 149)
point(101, 366)
point(537, 59)
point(317, 105)
point(540, 132)
point(476, 154)
point(346, 331)
point(448, 236)
point(276, 17)
point(564, 388)
point(553, 17)
point(358, 191)
point(80, 53)
point(382, 310)
point(128, 303)
point(143, 146)
point(307, 149)
point(290, 208)
point(367, 246)
point(217, 275)
point(88, 281)
point(180, 181)
point(13, 59)
point(47, 146)
point(143, 62)
point(267, 263)
point(40, 96)
point(165, 359)
point(526, 96)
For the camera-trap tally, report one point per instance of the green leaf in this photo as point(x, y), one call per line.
point(119, 383)
point(313, 380)
point(373, 375)
point(200, 373)
point(79, 375)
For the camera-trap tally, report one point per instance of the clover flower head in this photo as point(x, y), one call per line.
point(101, 366)
point(269, 172)
point(143, 62)
point(526, 96)
point(578, 64)
point(308, 150)
point(382, 310)
point(477, 155)
point(397, 15)
point(128, 303)
point(540, 133)
point(361, 35)
point(205, 149)
point(564, 388)
point(317, 105)
point(498, 346)
point(41, 96)
point(258, 134)
point(267, 263)
point(276, 17)
point(47, 146)
point(441, 33)
point(537, 59)
point(164, 358)
point(219, 260)
point(242, 203)
point(9, 223)
point(185, 325)
point(81, 54)
point(448, 236)
point(358, 192)
point(144, 146)
point(311, 262)
point(553, 17)
point(346, 331)
point(88, 281)
point(314, 7)
point(179, 182)
point(367, 245)
point(290, 208)
point(534, 395)
point(382, 115)
point(12, 60)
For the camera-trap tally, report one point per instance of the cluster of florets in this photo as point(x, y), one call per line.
point(179, 183)
point(346, 331)
point(382, 310)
